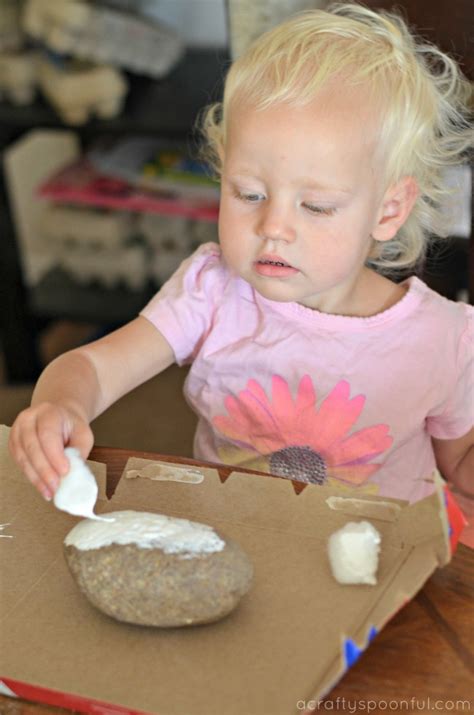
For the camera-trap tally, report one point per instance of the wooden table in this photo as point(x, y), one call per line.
point(422, 662)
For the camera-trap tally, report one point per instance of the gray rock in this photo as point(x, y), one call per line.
point(148, 586)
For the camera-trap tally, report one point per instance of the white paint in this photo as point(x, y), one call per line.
point(5, 536)
point(148, 531)
point(159, 471)
point(77, 491)
point(353, 553)
point(5, 690)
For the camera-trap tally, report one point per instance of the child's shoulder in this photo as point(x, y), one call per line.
point(205, 263)
point(207, 267)
point(207, 253)
point(434, 303)
point(439, 317)
point(204, 272)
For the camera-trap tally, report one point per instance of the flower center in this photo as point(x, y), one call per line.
point(301, 463)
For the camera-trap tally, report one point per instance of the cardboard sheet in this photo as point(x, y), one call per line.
point(289, 640)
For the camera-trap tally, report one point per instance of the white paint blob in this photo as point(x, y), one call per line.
point(353, 553)
point(77, 491)
point(5, 690)
point(147, 531)
point(5, 536)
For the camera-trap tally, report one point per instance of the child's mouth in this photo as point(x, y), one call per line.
point(274, 267)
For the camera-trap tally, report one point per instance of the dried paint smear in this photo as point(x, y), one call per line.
point(167, 472)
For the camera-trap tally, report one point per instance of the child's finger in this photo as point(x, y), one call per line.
point(36, 460)
point(82, 439)
point(39, 471)
point(50, 437)
point(13, 444)
point(23, 424)
point(32, 475)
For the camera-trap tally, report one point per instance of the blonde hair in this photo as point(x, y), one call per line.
point(420, 93)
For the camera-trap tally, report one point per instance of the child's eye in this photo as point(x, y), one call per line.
point(320, 210)
point(248, 197)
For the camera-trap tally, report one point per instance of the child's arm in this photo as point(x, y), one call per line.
point(77, 387)
point(455, 460)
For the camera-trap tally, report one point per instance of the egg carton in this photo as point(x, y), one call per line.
point(172, 239)
point(96, 228)
point(18, 76)
point(104, 35)
point(77, 90)
point(109, 267)
point(169, 238)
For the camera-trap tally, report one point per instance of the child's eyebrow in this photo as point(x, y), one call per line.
point(241, 176)
point(306, 182)
point(310, 183)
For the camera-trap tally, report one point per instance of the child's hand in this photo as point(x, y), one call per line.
point(37, 440)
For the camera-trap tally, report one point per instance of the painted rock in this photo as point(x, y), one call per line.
point(154, 570)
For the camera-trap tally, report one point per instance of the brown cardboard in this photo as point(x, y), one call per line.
point(284, 643)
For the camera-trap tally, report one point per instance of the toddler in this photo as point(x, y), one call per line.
point(307, 359)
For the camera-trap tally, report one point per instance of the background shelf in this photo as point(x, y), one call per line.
point(58, 296)
point(166, 108)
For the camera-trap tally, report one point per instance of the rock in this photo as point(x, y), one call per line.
point(155, 570)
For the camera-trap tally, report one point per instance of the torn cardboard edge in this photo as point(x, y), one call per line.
point(363, 506)
point(255, 511)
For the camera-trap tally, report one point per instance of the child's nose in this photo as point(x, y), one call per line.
point(276, 224)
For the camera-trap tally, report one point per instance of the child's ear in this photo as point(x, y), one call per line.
point(397, 204)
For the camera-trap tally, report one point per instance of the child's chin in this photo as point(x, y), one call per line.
point(279, 293)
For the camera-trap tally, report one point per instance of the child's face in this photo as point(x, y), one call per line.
point(301, 187)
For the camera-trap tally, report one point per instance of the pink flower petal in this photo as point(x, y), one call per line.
point(268, 426)
point(271, 426)
point(237, 414)
point(250, 422)
point(362, 445)
point(246, 411)
point(305, 425)
point(294, 424)
point(306, 396)
point(228, 427)
point(300, 429)
point(282, 401)
point(237, 425)
point(354, 475)
point(259, 393)
point(337, 415)
point(265, 431)
point(295, 421)
point(297, 417)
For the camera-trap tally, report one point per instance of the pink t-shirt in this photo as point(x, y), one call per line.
point(322, 398)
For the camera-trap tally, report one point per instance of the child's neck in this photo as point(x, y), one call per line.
point(372, 294)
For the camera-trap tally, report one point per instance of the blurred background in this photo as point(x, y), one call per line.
point(102, 192)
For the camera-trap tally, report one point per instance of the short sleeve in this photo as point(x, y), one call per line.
point(457, 417)
point(183, 309)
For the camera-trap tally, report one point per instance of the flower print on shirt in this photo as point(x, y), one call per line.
point(294, 438)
